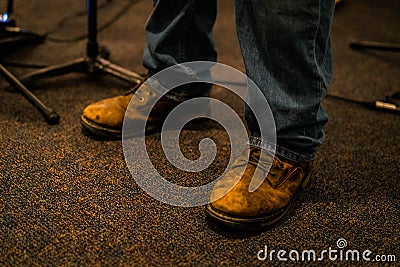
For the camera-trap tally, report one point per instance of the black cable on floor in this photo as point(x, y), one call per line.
point(101, 28)
point(49, 38)
point(391, 103)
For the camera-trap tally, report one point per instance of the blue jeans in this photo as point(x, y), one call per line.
point(286, 50)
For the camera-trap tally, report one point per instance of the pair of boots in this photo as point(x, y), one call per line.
point(232, 204)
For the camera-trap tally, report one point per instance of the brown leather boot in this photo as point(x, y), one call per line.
point(104, 119)
point(244, 210)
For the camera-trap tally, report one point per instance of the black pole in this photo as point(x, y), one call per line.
point(10, 5)
point(375, 45)
point(92, 45)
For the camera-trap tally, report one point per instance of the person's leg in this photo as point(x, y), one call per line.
point(177, 31)
point(180, 31)
point(287, 53)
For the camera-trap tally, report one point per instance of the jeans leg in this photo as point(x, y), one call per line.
point(287, 53)
point(180, 31)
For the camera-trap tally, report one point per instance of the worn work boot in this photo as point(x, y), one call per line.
point(240, 209)
point(104, 119)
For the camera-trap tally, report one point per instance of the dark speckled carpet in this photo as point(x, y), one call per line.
point(68, 200)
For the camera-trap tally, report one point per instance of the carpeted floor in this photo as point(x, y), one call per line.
point(66, 199)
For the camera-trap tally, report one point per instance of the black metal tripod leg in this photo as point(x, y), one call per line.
point(50, 115)
point(356, 44)
point(78, 65)
point(118, 71)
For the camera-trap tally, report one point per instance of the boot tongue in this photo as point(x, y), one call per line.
point(261, 157)
point(133, 89)
point(262, 160)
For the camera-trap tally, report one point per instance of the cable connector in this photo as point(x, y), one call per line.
point(385, 105)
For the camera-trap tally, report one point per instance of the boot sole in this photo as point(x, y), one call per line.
point(245, 224)
point(98, 132)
